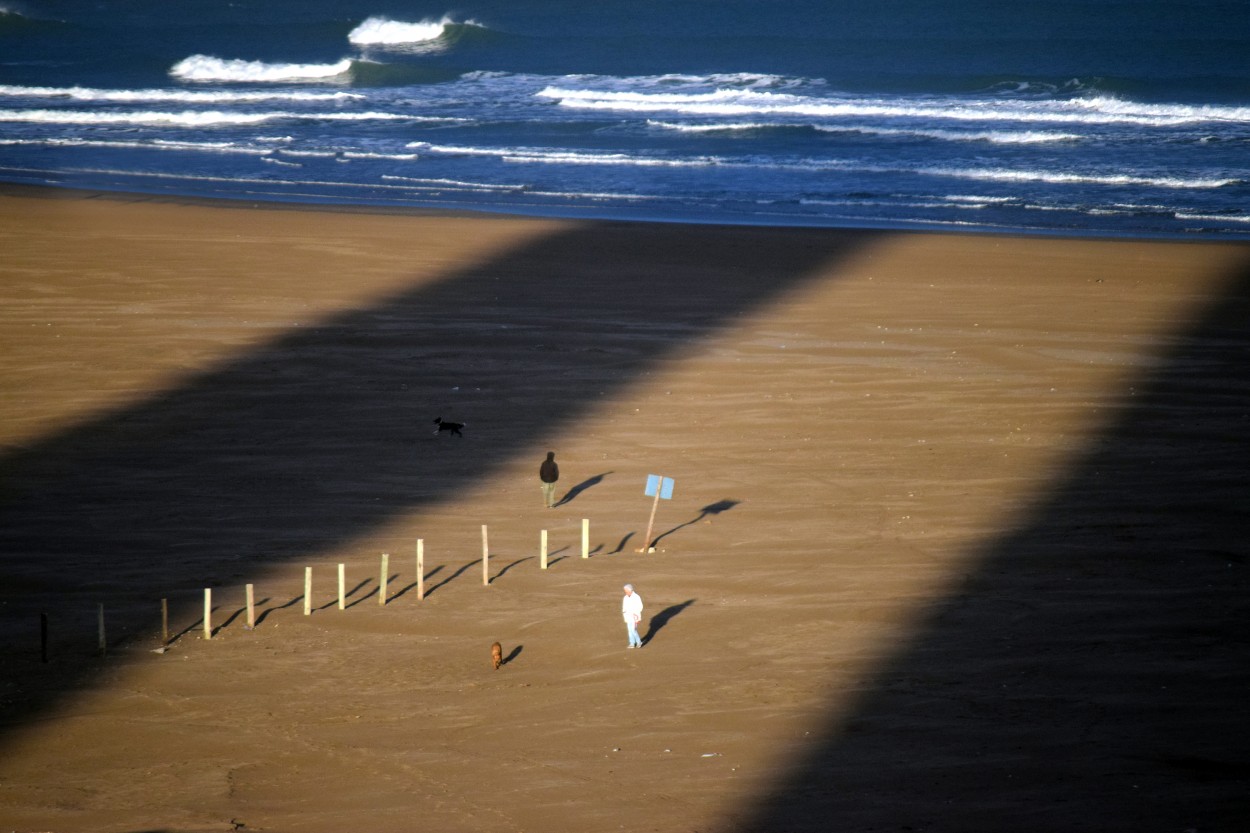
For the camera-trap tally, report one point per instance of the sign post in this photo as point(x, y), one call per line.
point(657, 487)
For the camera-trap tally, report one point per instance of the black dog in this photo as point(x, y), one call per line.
point(453, 427)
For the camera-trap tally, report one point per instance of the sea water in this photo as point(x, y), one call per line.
point(1110, 117)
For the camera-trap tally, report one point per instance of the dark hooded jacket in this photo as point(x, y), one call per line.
point(549, 472)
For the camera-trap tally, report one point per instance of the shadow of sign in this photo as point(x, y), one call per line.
point(711, 509)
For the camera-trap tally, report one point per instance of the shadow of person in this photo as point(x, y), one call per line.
point(581, 487)
point(711, 509)
point(659, 620)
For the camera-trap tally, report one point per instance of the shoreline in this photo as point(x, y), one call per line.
point(956, 512)
point(73, 192)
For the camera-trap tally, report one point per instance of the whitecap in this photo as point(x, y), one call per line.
point(185, 96)
point(186, 118)
point(749, 103)
point(564, 157)
point(381, 31)
point(1059, 178)
point(208, 68)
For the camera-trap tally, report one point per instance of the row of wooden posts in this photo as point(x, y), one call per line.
point(342, 597)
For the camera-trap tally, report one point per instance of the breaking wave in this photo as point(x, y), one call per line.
point(748, 103)
point(208, 68)
point(381, 31)
point(186, 96)
point(186, 118)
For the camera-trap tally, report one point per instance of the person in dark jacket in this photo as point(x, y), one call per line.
point(549, 473)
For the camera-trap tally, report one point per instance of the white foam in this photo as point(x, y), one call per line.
point(1213, 218)
point(1054, 177)
point(443, 184)
point(564, 157)
point(381, 31)
point(208, 68)
point(396, 157)
point(185, 96)
point(159, 144)
point(186, 118)
point(998, 137)
point(748, 103)
point(722, 127)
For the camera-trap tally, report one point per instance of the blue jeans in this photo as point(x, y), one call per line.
point(634, 639)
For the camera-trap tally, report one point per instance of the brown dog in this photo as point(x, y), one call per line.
point(496, 655)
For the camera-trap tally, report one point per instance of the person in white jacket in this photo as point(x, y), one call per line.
point(631, 609)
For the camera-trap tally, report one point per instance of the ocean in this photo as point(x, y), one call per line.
point(1102, 117)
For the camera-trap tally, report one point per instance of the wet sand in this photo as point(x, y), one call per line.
point(957, 540)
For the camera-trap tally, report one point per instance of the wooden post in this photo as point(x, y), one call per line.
point(646, 542)
point(543, 551)
point(342, 587)
point(307, 591)
point(164, 622)
point(420, 569)
point(251, 607)
point(386, 557)
point(485, 559)
point(43, 637)
point(208, 613)
point(585, 537)
point(103, 642)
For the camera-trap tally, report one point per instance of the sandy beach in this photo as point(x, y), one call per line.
point(957, 540)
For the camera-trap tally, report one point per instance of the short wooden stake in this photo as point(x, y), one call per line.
point(420, 569)
point(164, 622)
point(307, 591)
point(208, 613)
point(543, 551)
point(585, 537)
point(251, 607)
point(103, 642)
point(342, 587)
point(43, 637)
point(485, 559)
point(382, 580)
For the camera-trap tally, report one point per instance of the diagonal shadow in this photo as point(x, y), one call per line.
point(413, 585)
point(323, 434)
point(659, 620)
point(1092, 672)
point(711, 509)
point(508, 567)
point(459, 572)
point(588, 483)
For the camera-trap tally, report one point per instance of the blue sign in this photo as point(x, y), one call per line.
point(664, 485)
